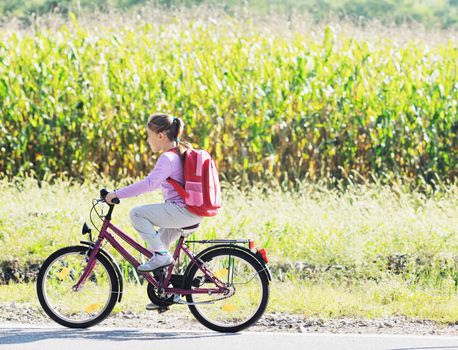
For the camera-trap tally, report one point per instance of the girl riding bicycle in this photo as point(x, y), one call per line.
point(163, 137)
point(225, 286)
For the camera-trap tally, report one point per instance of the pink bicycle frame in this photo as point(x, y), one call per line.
point(105, 235)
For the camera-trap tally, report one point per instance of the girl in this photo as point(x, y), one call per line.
point(163, 137)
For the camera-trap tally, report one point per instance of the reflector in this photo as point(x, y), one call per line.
point(262, 252)
point(229, 307)
point(91, 308)
point(63, 273)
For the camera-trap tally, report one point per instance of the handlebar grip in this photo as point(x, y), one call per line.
point(103, 194)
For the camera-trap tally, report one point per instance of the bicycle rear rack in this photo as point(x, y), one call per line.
point(231, 241)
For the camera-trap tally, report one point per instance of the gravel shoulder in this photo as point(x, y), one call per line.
point(271, 322)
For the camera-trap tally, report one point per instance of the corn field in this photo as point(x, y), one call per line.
point(265, 103)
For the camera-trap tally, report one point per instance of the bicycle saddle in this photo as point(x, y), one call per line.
point(189, 229)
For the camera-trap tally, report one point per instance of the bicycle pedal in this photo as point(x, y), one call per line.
point(163, 309)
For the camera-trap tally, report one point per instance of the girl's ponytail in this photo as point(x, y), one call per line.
point(182, 146)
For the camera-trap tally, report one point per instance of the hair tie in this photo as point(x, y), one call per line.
point(175, 121)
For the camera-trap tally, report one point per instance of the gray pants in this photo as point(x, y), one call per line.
point(169, 217)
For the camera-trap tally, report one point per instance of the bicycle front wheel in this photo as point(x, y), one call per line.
point(240, 271)
point(85, 307)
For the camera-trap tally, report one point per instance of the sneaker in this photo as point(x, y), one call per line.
point(156, 262)
point(152, 306)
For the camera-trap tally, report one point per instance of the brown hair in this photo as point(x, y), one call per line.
point(173, 128)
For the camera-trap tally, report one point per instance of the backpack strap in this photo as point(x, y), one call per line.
point(176, 185)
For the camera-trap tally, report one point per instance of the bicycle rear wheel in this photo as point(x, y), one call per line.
point(85, 307)
point(239, 270)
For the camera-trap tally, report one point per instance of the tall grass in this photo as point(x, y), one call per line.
point(367, 250)
point(366, 232)
point(283, 104)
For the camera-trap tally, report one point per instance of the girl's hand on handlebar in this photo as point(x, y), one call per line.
point(110, 196)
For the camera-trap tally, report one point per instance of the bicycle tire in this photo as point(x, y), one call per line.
point(222, 252)
point(42, 297)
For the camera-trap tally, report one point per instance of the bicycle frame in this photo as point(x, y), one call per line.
point(106, 235)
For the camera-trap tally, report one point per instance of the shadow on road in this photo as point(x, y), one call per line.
point(22, 336)
point(428, 348)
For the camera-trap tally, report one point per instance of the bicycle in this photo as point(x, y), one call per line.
point(225, 286)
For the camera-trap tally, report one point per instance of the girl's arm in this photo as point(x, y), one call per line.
point(161, 171)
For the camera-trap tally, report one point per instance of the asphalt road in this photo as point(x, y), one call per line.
point(15, 337)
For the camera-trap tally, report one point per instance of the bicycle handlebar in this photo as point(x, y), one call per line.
point(103, 194)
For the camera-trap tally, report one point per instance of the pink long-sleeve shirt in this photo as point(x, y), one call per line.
point(169, 164)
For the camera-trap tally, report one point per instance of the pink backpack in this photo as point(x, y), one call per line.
point(201, 192)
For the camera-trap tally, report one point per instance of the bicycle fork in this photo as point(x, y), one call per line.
point(91, 261)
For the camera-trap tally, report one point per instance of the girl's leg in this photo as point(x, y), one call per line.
point(181, 218)
point(142, 223)
point(168, 236)
point(170, 218)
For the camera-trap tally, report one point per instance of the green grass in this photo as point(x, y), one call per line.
point(323, 300)
point(366, 251)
